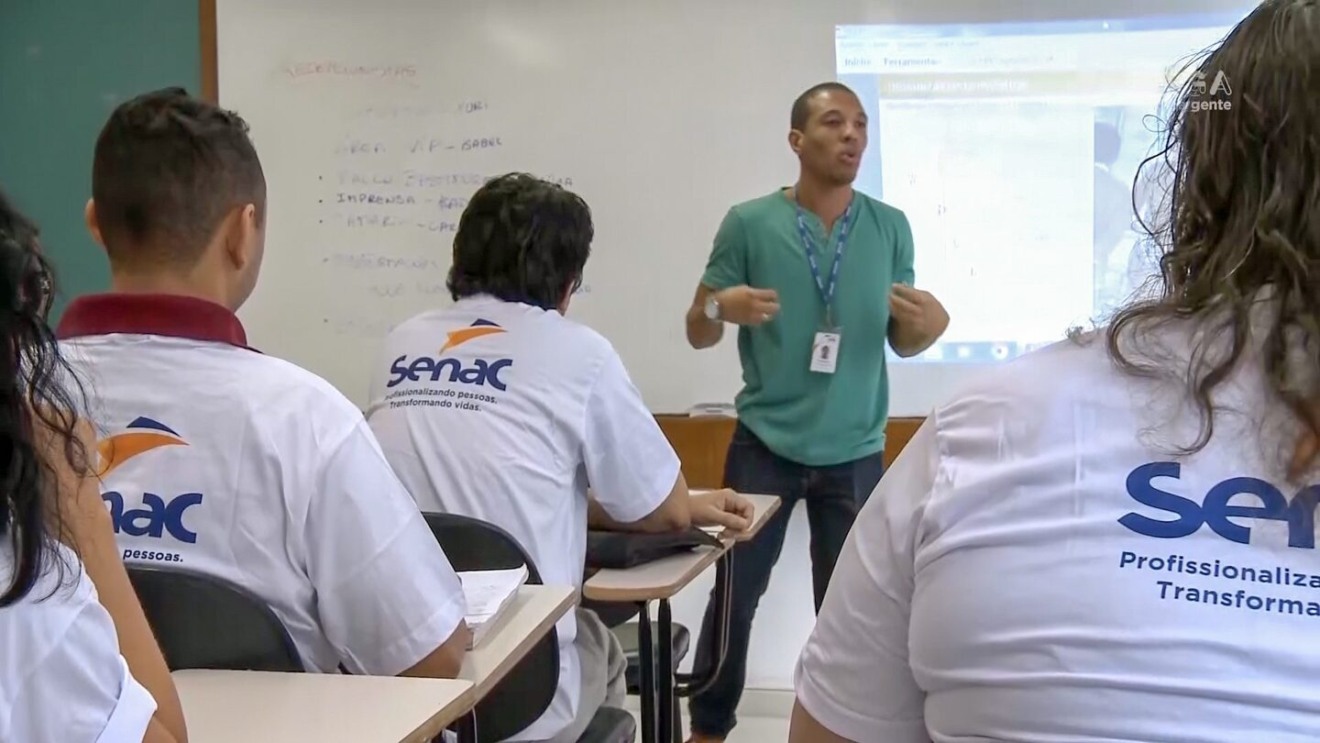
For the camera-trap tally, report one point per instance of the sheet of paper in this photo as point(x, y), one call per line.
point(488, 590)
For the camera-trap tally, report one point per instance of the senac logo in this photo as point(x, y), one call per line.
point(1255, 499)
point(157, 516)
point(482, 372)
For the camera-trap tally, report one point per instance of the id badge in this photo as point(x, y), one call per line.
point(825, 351)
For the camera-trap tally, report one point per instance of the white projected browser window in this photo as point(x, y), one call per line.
point(1012, 148)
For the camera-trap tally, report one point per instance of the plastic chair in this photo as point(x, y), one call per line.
point(206, 622)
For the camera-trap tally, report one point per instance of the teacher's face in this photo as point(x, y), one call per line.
point(831, 145)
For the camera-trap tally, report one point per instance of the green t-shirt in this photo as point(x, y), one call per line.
point(808, 417)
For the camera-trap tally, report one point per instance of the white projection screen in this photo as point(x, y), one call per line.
point(1012, 135)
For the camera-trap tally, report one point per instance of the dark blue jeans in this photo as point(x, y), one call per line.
point(833, 496)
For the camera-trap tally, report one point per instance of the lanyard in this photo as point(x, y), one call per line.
point(826, 290)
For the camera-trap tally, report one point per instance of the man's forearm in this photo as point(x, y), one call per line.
point(908, 342)
point(599, 520)
point(703, 332)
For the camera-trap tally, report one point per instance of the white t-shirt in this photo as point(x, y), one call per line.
point(62, 679)
point(1037, 567)
point(218, 459)
point(506, 412)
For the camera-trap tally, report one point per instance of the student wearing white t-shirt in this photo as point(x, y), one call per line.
point(78, 662)
point(1113, 539)
point(503, 409)
point(216, 458)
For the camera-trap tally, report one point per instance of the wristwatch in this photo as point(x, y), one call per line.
point(712, 308)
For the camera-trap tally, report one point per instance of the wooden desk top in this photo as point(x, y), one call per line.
point(664, 578)
point(241, 706)
point(656, 580)
point(530, 617)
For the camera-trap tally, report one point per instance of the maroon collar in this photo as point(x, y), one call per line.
point(169, 315)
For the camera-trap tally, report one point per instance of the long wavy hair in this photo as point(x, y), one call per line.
point(38, 393)
point(1240, 221)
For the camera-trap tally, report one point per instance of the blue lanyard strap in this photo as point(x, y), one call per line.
point(826, 290)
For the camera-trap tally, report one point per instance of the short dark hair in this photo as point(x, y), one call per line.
point(168, 168)
point(521, 239)
point(801, 112)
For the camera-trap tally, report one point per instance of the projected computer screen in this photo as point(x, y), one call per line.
point(1013, 150)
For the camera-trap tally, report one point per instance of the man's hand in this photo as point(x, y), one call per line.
point(917, 320)
point(744, 305)
point(722, 508)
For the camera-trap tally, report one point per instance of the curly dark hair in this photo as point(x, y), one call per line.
point(1240, 221)
point(37, 397)
point(521, 239)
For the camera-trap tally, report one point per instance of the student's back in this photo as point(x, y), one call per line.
point(219, 459)
point(504, 410)
point(1037, 560)
point(515, 447)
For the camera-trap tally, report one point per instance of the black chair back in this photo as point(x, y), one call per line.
point(526, 692)
point(202, 621)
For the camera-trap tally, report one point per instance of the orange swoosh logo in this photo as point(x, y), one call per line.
point(120, 448)
point(459, 337)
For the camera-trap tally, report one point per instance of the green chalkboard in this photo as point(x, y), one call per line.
point(64, 65)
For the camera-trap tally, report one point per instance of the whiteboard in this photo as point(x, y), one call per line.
point(436, 96)
point(375, 121)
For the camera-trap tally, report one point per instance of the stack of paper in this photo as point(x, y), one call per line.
point(488, 594)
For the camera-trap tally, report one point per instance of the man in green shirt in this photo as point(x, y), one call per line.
point(817, 277)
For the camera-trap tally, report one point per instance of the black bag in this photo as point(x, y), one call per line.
point(622, 550)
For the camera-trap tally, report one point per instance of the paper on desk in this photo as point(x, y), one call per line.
point(488, 593)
